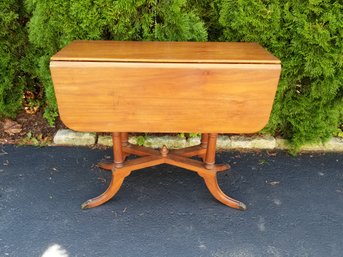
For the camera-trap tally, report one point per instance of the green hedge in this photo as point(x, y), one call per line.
point(55, 23)
point(305, 35)
point(13, 49)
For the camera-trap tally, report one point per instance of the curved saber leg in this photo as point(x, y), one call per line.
point(113, 188)
point(212, 185)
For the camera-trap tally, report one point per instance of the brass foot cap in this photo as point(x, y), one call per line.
point(242, 207)
point(85, 205)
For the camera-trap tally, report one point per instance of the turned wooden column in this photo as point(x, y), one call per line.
point(124, 138)
point(204, 140)
point(117, 150)
point(211, 151)
point(222, 94)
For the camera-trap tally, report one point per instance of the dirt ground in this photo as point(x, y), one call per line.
point(33, 129)
point(28, 129)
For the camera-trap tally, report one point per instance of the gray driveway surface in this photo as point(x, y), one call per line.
point(295, 206)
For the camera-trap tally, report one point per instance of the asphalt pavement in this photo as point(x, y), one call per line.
point(295, 206)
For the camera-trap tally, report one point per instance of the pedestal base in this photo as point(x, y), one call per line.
point(150, 157)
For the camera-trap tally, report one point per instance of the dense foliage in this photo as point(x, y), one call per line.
point(307, 37)
point(13, 49)
point(56, 23)
point(305, 34)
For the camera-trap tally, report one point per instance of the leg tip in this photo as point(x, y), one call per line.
point(105, 165)
point(222, 167)
point(242, 207)
point(85, 205)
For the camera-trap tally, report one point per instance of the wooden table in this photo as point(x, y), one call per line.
point(121, 87)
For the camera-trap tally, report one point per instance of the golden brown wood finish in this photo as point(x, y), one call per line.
point(211, 147)
point(177, 158)
point(211, 88)
point(204, 140)
point(165, 52)
point(124, 138)
point(153, 97)
point(117, 150)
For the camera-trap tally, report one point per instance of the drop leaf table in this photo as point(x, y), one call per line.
point(164, 87)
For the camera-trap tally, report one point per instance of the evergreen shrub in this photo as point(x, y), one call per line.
point(307, 36)
point(55, 23)
point(13, 51)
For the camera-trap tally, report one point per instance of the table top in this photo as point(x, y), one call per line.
point(109, 86)
point(165, 52)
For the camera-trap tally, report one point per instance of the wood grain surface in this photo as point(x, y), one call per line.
point(212, 88)
point(138, 51)
point(164, 97)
